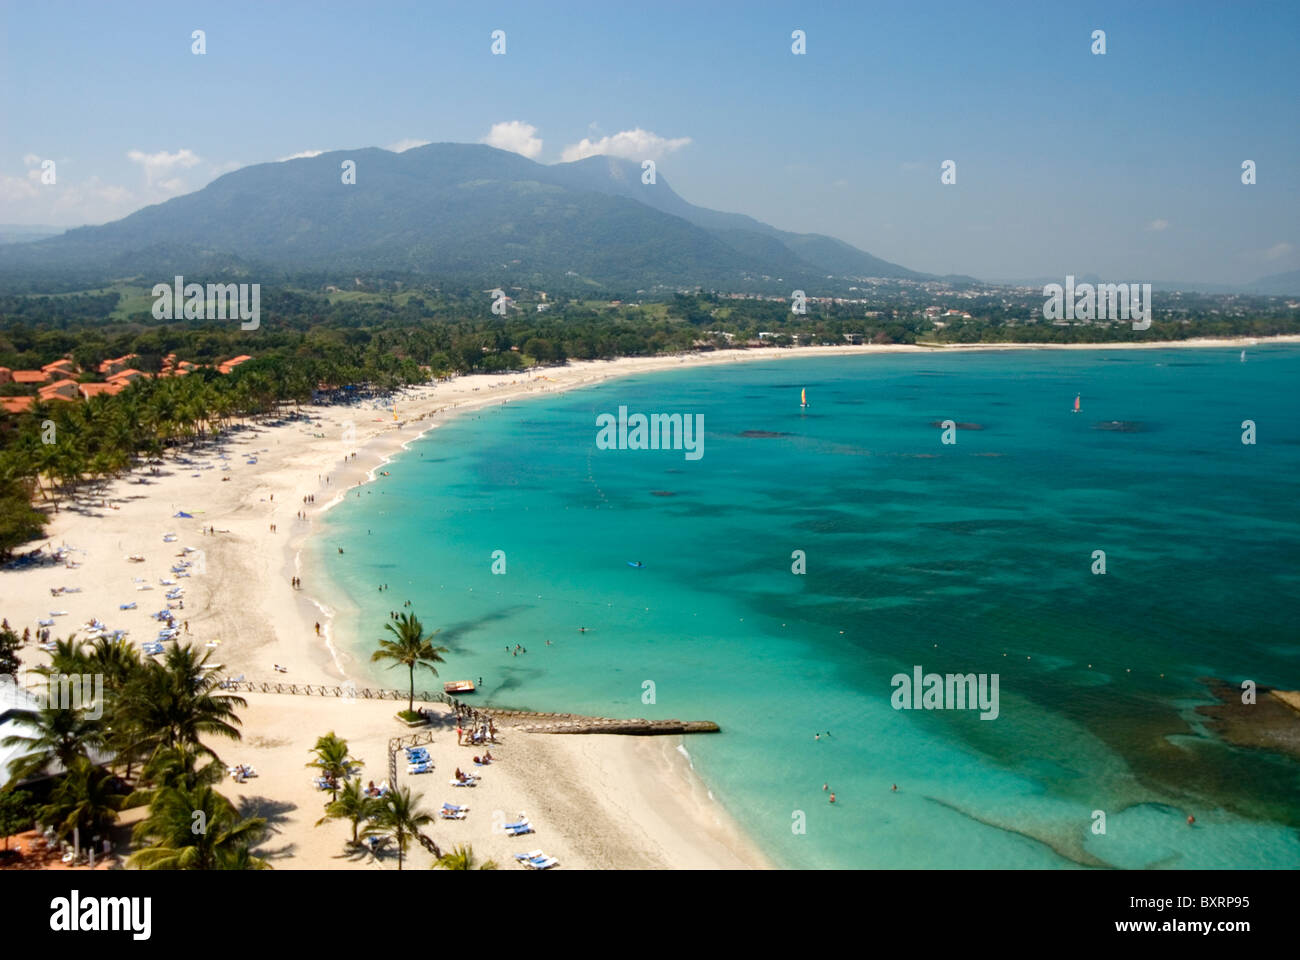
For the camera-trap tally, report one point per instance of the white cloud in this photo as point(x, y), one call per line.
point(635, 144)
point(304, 155)
point(515, 136)
point(31, 160)
point(1158, 225)
point(408, 143)
point(162, 163)
point(1278, 251)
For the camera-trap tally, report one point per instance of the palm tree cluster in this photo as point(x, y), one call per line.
point(151, 718)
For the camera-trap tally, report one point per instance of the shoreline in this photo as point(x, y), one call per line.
point(243, 608)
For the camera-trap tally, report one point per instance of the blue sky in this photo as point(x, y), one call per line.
point(1127, 165)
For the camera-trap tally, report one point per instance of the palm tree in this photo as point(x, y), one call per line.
point(399, 817)
point(351, 804)
point(462, 858)
point(332, 759)
point(175, 767)
point(196, 829)
point(84, 798)
point(176, 701)
point(56, 734)
point(411, 648)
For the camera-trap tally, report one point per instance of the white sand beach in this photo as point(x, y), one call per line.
point(597, 801)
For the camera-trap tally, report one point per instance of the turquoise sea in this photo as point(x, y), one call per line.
point(968, 557)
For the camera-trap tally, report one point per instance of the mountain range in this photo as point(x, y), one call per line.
point(447, 211)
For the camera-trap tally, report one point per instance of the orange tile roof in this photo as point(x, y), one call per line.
point(30, 376)
point(89, 390)
point(17, 404)
point(130, 374)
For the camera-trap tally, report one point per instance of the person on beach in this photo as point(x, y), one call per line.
point(318, 628)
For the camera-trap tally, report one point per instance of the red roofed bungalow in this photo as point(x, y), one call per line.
point(6, 375)
point(233, 362)
point(61, 390)
point(63, 366)
point(17, 404)
point(89, 390)
point(126, 376)
point(116, 365)
point(30, 376)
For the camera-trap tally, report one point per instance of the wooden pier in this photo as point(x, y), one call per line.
point(527, 721)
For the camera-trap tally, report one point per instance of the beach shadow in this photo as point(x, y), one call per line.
point(273, 811)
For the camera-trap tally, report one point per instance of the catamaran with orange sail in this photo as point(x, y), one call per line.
point(803, 397)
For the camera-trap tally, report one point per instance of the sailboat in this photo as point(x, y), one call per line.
point(803, 397)
point(1076, 403)
point(1243, 356)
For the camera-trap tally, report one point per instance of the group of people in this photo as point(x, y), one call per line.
point(519, 648)
point(486, 733)
point(373, 791)
point(310, 497)
point(296, 583)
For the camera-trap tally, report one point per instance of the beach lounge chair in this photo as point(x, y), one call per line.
point(455, 807)
point(463, 783)
point(453, 812)
point(425, 767)
point(126, 606)
point(531, 855)
point(518, 830)
point(543, 863)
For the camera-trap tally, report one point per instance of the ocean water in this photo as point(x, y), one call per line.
point(975, 556)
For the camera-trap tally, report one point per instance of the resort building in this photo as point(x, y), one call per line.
point(126, 376)
point(60, 390)
point(16, 405)
point(117, 365)
point(6, 375)
point(60, 368)
point(89, 390)
point(233, 362)
point(30, 377)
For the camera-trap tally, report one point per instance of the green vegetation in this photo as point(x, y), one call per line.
point(399, 816)
point(17, 813)
point(153, 716)
point(351, 804)
point(410, 649)
point(332, 759)
point(462, 858)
